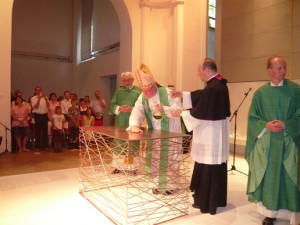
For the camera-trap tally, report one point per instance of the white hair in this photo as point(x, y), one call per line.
point(126, 74)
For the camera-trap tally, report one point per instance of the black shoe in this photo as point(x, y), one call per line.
point(131, 172)
point(268, 221)
point(196, 206)
point(115, 171)
point(168, 192)
point(155, 191)
point(213, 212)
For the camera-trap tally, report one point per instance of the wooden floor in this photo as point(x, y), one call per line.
point(33, 161)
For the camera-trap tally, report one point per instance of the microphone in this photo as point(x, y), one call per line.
point(247, 92)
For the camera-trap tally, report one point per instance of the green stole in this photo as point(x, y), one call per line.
point(164, 150)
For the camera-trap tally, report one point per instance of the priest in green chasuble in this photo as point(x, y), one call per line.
point(272, 148)
point(161, 113)
point(121, 106)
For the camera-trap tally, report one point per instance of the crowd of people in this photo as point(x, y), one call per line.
point(52, 121)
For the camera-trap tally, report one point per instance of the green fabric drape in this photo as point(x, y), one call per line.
point(164, 150)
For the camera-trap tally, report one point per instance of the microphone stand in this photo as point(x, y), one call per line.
point(6, 129)
point(234, 142)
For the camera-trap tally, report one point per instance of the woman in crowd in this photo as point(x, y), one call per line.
point(82, 106)
point(20, 126)
point(52, 104)
point(88, 120)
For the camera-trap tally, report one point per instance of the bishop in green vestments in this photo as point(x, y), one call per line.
point(272, 149)
point(160, 111)
point(121, 105)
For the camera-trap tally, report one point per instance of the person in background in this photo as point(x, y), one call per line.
point(65, 104)
point(82, 107)
point(74, 124)
point(18, 93)
point(97, 105)
point(74, 96)
point(87, 101)
point(52, 104)
point(71, 95)
point(121, 106)
point(88, 119)
point(51, 110)
point(60, 98)
point(82, 110)
point(58, 120)
point(20, 127)
point(157, 107)
point(31, 141)
point(13, 98)
point(40, 105)
point(273, 146)
point(208, 118)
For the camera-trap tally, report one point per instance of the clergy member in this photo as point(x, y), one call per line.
point(121, 106)
point(273, 146)
point(158, 108)
point(208, 118)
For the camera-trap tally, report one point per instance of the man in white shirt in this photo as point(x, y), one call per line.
point(40, 105)
point(65, 104)
point(98, 104)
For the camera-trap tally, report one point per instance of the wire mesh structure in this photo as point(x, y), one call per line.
point(135, 178)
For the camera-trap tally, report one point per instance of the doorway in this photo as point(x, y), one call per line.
point(109, 87)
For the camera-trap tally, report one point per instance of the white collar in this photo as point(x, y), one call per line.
point(130, 87)
point(278, 85)
point(212, 77)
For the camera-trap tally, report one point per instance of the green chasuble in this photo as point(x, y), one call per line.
point(124, 96)
point(274, 158)
point(163, 164)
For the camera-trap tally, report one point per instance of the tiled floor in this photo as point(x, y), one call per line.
point(52, 198)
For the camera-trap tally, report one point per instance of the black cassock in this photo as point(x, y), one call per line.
point(211, 103)
point(209, 182)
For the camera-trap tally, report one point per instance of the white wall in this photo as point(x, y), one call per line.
point(254, 30)
point(194, 43)
point(5, 46)
point(43, 27)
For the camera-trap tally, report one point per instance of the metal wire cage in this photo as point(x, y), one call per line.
point(135, 178)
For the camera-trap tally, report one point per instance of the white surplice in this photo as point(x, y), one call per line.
point(210, 144)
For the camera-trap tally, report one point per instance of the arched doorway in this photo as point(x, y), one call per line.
point(26, 78)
